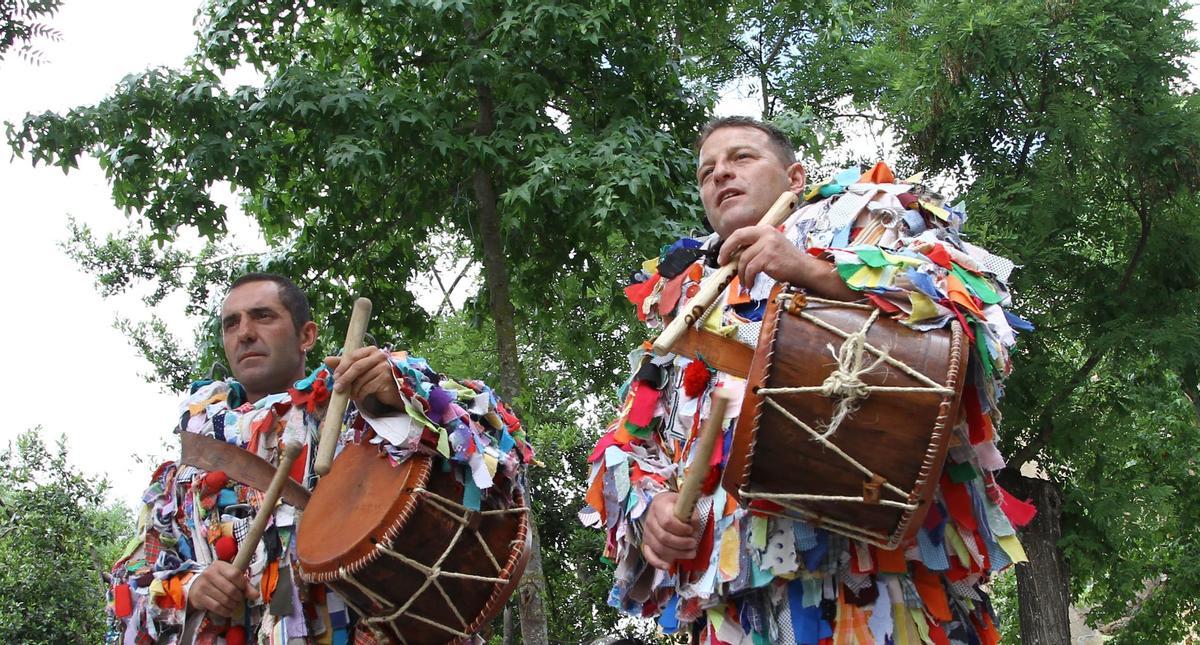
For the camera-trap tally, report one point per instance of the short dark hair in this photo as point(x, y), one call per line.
point(290, 295)
point(780, 142)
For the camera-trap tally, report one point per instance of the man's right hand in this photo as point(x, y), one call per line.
point(664, 538)
point(221, 589)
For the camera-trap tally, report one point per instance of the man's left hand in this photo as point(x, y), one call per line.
point(366, 374)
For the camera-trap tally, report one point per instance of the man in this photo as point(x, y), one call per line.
point(267, 331)
point(741, 577)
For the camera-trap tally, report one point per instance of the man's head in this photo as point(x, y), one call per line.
point(266, 328)
point(743, 166)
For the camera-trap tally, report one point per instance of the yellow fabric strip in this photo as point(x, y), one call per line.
point(1012, 546)
point(730, 548)
point(922, 626)
point(903, 631)
point(758, 532)
point(922, 307)
point(960, 549)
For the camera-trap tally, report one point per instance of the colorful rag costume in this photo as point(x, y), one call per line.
point(192, 518)
point(760, 578)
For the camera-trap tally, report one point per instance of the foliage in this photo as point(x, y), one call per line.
point(21, 24)
point(56, 530)
point(357, 96)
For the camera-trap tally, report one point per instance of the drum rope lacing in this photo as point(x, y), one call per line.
point(461, 515)
point(846, 383)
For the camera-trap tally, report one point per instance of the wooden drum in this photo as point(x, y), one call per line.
point(846, 419)
point(397, 545)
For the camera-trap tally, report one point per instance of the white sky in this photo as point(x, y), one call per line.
point(68, 370)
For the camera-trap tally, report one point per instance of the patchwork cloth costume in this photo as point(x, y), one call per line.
point(192, 518)
point(761, 578)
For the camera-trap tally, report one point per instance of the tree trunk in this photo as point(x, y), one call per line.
point(1042, 590)
point(532, 596)
point(495, 271)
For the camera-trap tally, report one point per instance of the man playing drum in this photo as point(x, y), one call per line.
point(169, 571)
point(735, 574)
point(267, 332)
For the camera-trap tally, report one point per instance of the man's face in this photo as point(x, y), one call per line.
point(262, 345)
point(741, 176)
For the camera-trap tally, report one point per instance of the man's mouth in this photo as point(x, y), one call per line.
point(250, 355)
point(726, 194)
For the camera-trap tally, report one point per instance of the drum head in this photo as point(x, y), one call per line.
point(354, 506)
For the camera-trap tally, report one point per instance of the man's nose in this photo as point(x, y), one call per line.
point(722, 171)
point(246, 333)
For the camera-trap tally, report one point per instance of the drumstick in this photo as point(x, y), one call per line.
point(713, 285)
point(689, 493)
point(191, 628)
point(266, 510)
point(332, 425)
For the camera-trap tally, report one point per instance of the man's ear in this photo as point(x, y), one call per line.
point(308, 335)
point(796, 178)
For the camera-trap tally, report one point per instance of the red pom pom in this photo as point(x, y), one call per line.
point(226, 548)
point(236, 635)
point(695, 378)
point(214, 482)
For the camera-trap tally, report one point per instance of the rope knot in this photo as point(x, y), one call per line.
point(845, 382)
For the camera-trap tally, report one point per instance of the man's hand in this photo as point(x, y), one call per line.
point(367, 375)
point(766, 250)
point(221, 589)
point(664, 538)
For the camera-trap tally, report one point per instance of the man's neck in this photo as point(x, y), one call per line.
point(254, 397)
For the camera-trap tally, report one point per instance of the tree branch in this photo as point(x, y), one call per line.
point(1045, 423)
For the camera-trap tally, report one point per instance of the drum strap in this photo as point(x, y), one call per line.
point(211, 454)
point(718, 352)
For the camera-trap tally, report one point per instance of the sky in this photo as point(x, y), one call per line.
point(71, 371)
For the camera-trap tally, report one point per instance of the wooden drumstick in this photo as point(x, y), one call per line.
point(331, 427)
point(689, 493)
point(250, 543)
point(712, 286)
point(191, 628)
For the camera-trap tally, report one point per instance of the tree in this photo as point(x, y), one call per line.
point(543, 134)
point(1073, 134)
point(20, 25)
point(56, 530)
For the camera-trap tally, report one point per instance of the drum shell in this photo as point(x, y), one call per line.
point(366, 502)
point(902, 437)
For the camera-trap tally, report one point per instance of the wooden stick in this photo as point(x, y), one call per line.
point(250, 544)
point(331, 427)
point(195, 619)
point(713, 285)
point(689, 493)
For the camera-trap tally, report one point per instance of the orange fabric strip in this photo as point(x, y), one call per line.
point(933, 594)
point(890, 561)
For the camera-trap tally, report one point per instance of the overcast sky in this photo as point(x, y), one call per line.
point(68, 369)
